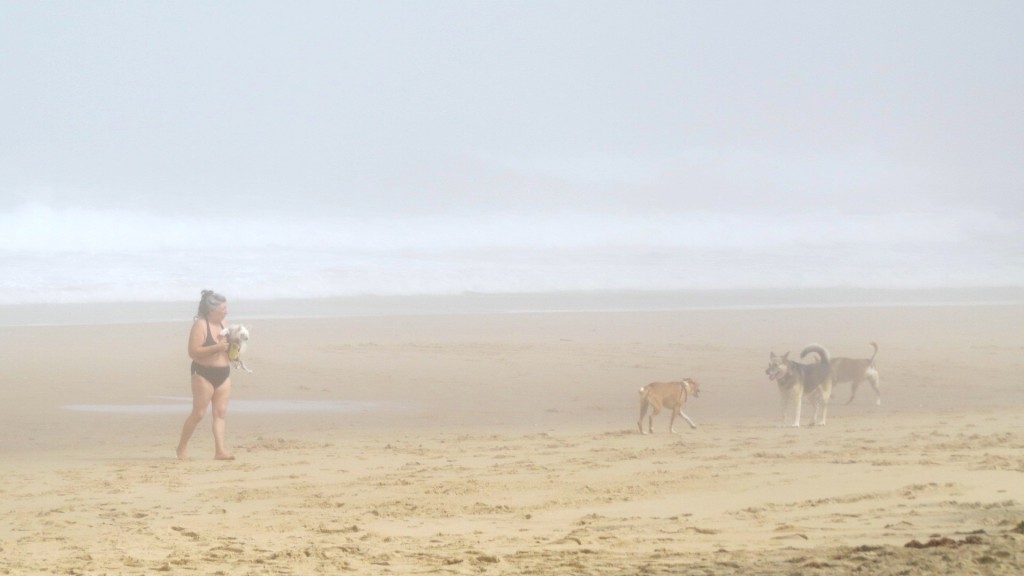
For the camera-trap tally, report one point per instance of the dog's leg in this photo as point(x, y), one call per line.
point(786, 402)
point(241, 354)
point(791, 404)
point(783, 397)
point(643, 412)
point(795, 395)
point(825, 394)
point(853, 389)
point(818, 403)
point(650, 419)
point(687, 418)
point(872, 376)
point(798, 393)
point(655, 410)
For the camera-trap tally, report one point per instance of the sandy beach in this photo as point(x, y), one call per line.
point(506, 443)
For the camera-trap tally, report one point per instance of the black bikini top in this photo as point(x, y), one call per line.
point(210, 341)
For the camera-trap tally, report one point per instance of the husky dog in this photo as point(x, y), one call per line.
point(795, 380)
point(238, 337)
point(857, 371)
point(671, 395)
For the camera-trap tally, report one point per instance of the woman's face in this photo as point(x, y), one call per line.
point(219, 313)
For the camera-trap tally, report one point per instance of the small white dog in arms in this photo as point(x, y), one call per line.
point(238, 338)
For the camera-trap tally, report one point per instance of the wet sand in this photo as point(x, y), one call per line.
point(507, 444)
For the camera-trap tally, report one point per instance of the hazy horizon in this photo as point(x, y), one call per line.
point(328, 149)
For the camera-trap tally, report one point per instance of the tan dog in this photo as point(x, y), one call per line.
point(671, 395)
point(857, 371)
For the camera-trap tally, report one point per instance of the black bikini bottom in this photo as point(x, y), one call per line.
point(215, 375)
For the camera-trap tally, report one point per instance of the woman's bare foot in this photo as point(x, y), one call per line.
point(182, 453)
point(224, 456)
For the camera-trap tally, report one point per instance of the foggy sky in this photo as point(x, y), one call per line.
point(437, 107)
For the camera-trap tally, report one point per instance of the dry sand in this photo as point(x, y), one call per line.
point(507, 444)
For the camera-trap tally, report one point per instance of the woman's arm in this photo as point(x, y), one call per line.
point(196, 337)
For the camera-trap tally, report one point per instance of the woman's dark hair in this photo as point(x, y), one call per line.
point(209, 301)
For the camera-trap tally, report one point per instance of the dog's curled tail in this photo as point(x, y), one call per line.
point(875, 346)
point(820, 350)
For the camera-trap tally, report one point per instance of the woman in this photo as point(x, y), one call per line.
point(211, 372)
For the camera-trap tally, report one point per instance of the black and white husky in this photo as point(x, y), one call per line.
point(795, 380)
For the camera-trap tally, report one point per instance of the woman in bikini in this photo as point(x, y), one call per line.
point(211, 372)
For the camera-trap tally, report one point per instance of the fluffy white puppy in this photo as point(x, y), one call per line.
point(238, 337)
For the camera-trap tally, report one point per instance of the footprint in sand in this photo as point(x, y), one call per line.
point(185, 532)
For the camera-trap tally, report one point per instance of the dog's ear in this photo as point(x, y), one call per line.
point(786, 355)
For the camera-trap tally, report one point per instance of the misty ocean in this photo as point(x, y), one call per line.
point(379, 150)
point(92, 256)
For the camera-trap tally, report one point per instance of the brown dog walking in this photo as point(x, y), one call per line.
point(671, 395)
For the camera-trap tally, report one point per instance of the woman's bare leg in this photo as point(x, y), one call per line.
point(220, 409)
point(202, 392)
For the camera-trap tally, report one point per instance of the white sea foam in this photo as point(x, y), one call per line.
point(89, 255)
point(36, 228)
